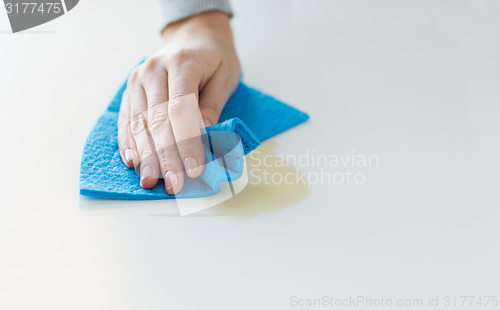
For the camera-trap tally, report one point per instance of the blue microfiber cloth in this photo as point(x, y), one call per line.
point(251, 114)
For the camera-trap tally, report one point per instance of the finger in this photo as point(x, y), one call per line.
point(156, 88)
point(185, 117)
point(149, 169)
point(215, 94)
point(123, 130)
point(135, 157)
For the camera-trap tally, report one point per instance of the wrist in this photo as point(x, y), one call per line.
point(214, 22)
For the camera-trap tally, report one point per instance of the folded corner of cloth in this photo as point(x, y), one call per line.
point(252, 115)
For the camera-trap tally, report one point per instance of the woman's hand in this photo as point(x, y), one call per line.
point(159, 123)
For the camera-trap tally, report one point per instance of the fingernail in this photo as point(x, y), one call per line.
point(207, 123)
point(128, 156)
point(170, 179)
point(191, 166)
point(147, 172)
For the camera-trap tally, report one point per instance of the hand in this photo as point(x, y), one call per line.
point(160, 107)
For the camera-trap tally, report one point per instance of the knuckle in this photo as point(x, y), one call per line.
point(157, 119)
point(182, 56)
point(163, 159)
point(122, 122)
point(151, 64)
point(138, 125)
point(175, 105)
point(123, 118)
point(134, 76)
point(179, 102)
point(145, 153)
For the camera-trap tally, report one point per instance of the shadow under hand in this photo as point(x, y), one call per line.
point(272, 185)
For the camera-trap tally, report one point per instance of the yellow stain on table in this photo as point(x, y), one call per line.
point(272, 185)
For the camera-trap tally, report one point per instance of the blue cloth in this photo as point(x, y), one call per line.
point(251, 114)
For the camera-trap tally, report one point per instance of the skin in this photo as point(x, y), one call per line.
point(173, 96)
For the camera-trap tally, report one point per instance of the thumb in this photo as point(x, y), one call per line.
point(214, 96)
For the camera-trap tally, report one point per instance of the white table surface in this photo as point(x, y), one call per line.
point(414, 82)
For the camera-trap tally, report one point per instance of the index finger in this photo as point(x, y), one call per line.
point(185, 117)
